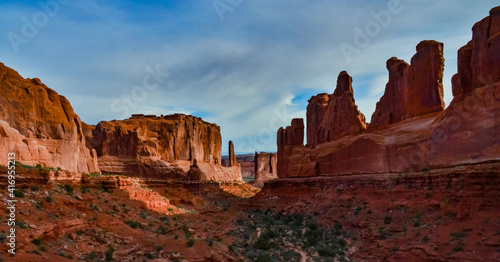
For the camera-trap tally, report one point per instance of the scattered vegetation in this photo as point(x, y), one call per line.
point(275, 236)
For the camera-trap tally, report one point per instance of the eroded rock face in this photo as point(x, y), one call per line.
point(412, 90)
point(479, 60)
point(293, 134)
point(465, 133)
point(266, 167)
point(332, 116)
point(232, 156)
point(40, 126)
point(161, 147)
point(342, 116)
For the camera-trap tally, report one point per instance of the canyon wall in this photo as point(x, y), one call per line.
point(409, 130)
point(40, 126)
point(164, 147)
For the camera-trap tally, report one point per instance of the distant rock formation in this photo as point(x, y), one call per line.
point(429, 137)
point(161, 147)
point(40, 126)
point(334, 116)
point(232, 156)
point(293, 134)
point(412, 90)
point(266, 167)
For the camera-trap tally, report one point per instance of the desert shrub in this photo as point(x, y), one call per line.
point(49, 199)
point(290, 255)
point(264, 258)
point(21, 224)
point(36, 242)
point(162, 230)
point(387, 219)
point(34, 188)
point(457, 235)
point(109, 253)
point(458, 248)
point(3, 237)
point(18, 193)
point(132, 224)
point(190, 242)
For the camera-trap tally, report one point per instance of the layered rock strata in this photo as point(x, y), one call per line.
point(40, 126)
point(266, 167)
point(161, 147)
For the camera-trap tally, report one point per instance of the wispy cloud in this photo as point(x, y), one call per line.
point(250, 73)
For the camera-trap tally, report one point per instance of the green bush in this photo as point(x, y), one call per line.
point(69, 188)
point(132, 224)
point(3, 237)
point(264, 258)
point(18, 193)
point(109, 253)
point(162, 230)
point(387, 219)
point(92, 256)
point(34, 188)
point(190, 242)
point(36, 242)
point(49, 199)
point(458, 235)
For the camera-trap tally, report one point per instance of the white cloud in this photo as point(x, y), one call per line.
point(235, 72)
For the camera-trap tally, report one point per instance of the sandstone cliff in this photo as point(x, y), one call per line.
point(161, 147)
point(266, 167)
point(334, 116)
point(415, 89)
point(413, 132)
point(40, 125)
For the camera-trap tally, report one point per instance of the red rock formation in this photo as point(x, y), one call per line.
point(40, 126)
point(293, 134)
point(479, 60)
point(463, 134)
point(266, 168)
point(332, 116)
point(290, 151)
point(412, 90)
point(161, 147)
point(232, 156)
point(342, 116)
point(316, 110)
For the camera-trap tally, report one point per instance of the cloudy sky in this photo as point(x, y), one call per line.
point(248, 65)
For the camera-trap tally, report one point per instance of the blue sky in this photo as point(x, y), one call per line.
point(249, 66)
